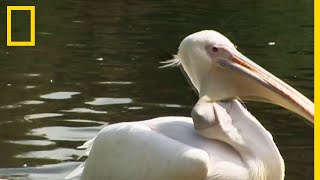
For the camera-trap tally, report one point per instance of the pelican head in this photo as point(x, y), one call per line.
point(218, 71)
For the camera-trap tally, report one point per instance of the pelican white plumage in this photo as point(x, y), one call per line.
point(224, 141)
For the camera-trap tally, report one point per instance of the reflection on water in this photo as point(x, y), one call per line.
point(66, 133)
point(109, 101)
point(41, 115)
point(84, 110)
point(97, 62)
point(54, 171)
point(32, 102)
point(59, 95)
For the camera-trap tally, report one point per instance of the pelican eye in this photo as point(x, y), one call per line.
point(214, 49)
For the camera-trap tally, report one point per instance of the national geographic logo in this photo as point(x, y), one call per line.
point(31, 10)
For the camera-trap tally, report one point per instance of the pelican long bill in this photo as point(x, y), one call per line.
point(271, 88)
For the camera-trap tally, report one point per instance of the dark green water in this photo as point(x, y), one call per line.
point(102, 59)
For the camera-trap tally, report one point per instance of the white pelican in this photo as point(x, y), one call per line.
point(225, 142)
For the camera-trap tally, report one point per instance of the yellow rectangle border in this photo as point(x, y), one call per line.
point(317, 89)
point(32, 26)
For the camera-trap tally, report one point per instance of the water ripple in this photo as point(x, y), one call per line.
point(109, 101)
point(59, 95)
point(115, 82)
point(84, 110)
point(41, 115)
point(61, 133)
point(31, 102)
point(33, 142)
point(56, 154)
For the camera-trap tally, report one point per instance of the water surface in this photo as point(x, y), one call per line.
point(96, 62)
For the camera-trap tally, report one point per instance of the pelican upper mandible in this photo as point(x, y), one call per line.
point(222, 140)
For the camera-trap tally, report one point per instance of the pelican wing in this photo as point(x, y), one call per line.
point(157, 149)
